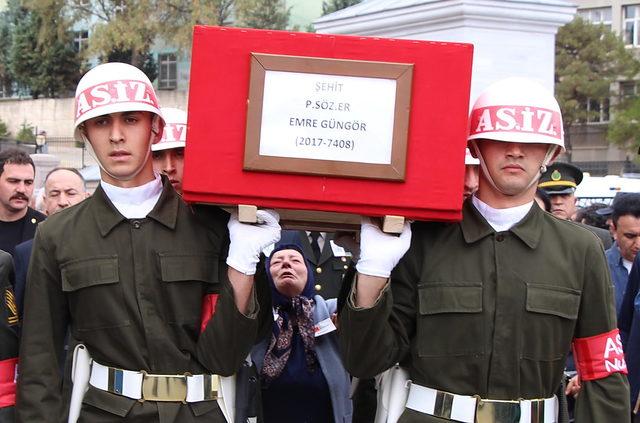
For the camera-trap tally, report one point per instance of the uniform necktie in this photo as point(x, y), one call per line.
point(315, 247)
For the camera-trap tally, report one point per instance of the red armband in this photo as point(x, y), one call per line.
point(208, 308)
point(8, 373)
point(599, 356)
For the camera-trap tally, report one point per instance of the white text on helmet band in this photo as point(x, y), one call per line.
point(111, 92)
point(525, 119)
point(174, 132)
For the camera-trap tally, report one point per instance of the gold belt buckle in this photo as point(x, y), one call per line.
point(211, 385)
point(497, 411)
point(164, 387)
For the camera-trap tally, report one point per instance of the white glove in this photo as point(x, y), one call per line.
point(248, 241)
point(380, 252)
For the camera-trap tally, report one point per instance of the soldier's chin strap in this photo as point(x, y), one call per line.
point(551, 151)
point(154, 133)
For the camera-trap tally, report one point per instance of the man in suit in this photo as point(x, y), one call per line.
point(17, 220)
point(63, 187)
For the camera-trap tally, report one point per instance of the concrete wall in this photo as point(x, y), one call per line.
point(55, 116)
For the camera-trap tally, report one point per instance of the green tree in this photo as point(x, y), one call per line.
point(124, 30)
point(22, 60)
point(262, 14)
point(26, 133)
point(41, 56)
point(179, 17)
point(145, 61)
point(624, 129)
point(4, 130)
point(589, 59)
point(335, 5)
point(6, 34)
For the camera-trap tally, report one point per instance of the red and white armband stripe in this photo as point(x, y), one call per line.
point(599, 356)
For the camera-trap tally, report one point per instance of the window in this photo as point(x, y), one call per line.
point(631, 22)
point(628, 90)
point(167, 75)
point(80, 40)
point(598, 110)
point(599, 15)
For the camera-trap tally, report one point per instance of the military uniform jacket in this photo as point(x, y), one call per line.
point(475, 312)
point(8, 339)
point(132, 292)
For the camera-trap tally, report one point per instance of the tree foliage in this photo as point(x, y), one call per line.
point(179, 17)
point(624, 130)
point(262, 14)
point(335, 5)
point(26, 133)
point(6, 34)
point(37, 51)
point(589, 59)
point(123, 30)
point(40, 57)
point(4, 130)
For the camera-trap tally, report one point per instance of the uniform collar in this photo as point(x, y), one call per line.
point(165, 211)
point(475, 227)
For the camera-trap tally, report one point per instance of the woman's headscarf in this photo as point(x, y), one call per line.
point(296, 312)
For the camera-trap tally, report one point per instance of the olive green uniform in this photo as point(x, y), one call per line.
point(132, 292)
point(475, 312)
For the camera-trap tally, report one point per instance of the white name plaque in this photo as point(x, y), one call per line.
point(327, 117)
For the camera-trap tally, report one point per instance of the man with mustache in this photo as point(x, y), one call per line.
point(63, 187)
point(483, 312)
point(17, 220)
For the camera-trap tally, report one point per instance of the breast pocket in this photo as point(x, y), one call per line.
point(95, 294)
point(450, 319)
point(548, 324)
point(186, 278)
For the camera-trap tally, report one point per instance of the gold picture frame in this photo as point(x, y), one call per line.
point(402, 73)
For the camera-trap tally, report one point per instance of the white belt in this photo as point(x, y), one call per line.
point(148, 387)
point(464, 408)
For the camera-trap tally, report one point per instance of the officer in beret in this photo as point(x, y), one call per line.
point(560, 182)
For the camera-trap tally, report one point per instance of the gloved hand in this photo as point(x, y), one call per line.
point(380, 252)
point(247, 241)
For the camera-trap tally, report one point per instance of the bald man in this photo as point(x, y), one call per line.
point(63, 187)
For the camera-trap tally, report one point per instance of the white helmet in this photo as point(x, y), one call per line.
point(517, 110)
point(469, 160)
point(175, 129)
point(111, 88)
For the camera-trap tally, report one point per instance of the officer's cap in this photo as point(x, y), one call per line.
point(560, 178)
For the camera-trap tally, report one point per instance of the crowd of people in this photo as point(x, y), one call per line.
point(130, 305)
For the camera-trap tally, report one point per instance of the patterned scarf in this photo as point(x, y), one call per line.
point(293, 313)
